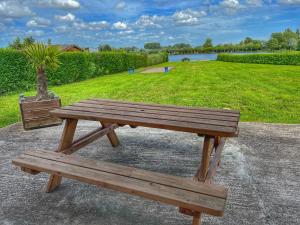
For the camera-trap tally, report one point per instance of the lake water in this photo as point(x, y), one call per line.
point(211, 56)
point(193, 57)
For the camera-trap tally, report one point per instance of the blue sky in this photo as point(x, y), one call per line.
point(120, 23)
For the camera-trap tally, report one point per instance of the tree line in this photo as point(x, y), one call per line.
point(286, 40)
point(20, 44)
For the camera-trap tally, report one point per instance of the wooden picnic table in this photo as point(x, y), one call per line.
point(193, 197)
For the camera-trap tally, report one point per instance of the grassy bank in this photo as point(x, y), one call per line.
point(263, 93)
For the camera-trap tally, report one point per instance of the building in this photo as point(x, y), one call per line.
point(72, 48)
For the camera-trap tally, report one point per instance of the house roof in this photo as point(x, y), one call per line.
point(68, 47)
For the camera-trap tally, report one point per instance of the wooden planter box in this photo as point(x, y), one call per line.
point(35, 114)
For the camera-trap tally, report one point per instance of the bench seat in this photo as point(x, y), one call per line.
point(180, 192)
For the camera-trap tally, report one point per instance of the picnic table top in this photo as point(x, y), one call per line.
point(204, 121)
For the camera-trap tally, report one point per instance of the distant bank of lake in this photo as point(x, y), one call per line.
point(210, 56)
point(193, 57)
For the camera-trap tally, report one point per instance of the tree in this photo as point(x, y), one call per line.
point(19, 45)
point(273, 44)
point(182, 45)
point(292, 43)
point(104, 47)
point(248, 40)
point(42, 57)
point(286, 39)
point(49, 42)
point(130, 49)
point(28, 41)
point(16, 44)
point(208, 43)
point(152, 45)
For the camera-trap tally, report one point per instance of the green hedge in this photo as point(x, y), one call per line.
point(291, 58)
point(16, 74)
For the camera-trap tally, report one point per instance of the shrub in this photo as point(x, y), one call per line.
point(287, 58)
point(153, 59)
point(16, 74)
point(185, 59)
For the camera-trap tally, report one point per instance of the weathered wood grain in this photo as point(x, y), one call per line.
point(199, 202)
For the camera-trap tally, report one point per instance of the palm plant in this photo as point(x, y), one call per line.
point(42, 57)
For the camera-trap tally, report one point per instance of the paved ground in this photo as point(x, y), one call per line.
point(261, 169)
point(157, 70)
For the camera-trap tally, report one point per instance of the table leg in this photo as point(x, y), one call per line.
point(207, 168)
point(112, 136)
point(65, 142)
point(208, 146)
point(197, 218)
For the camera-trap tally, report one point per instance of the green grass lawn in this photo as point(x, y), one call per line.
point(263, 93)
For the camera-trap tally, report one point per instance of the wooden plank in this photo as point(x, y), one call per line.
point(198, 114)
point(166, 107)
point(89, 138)
point(112, 136)
point(154, 123)
point(42, 117)
point(206, 152)
point(155, 177)
point(163, 105)
point(147, 115)
point(186, 211)
point(178, 197)
point(30, 171)
point(37, 113)
point(28, 106)
point(41, 122)
point(215, 161)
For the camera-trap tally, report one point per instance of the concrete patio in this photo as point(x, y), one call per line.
point(261, 168)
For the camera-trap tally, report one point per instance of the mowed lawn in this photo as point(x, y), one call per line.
point(263, 93)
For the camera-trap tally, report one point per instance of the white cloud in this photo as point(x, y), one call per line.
point(120, 5)
point(61, 4)
point(13, 9)
point(188, 16)
point(38, 22)
point(37, 33)
point(254, 2)
point(68, 17)
point(125, 32)
point(289, 2)
point(232, 4)
point(149, 21)
point(120, 25)
point(80, 26)
point(62, 29)
point(98, 25)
